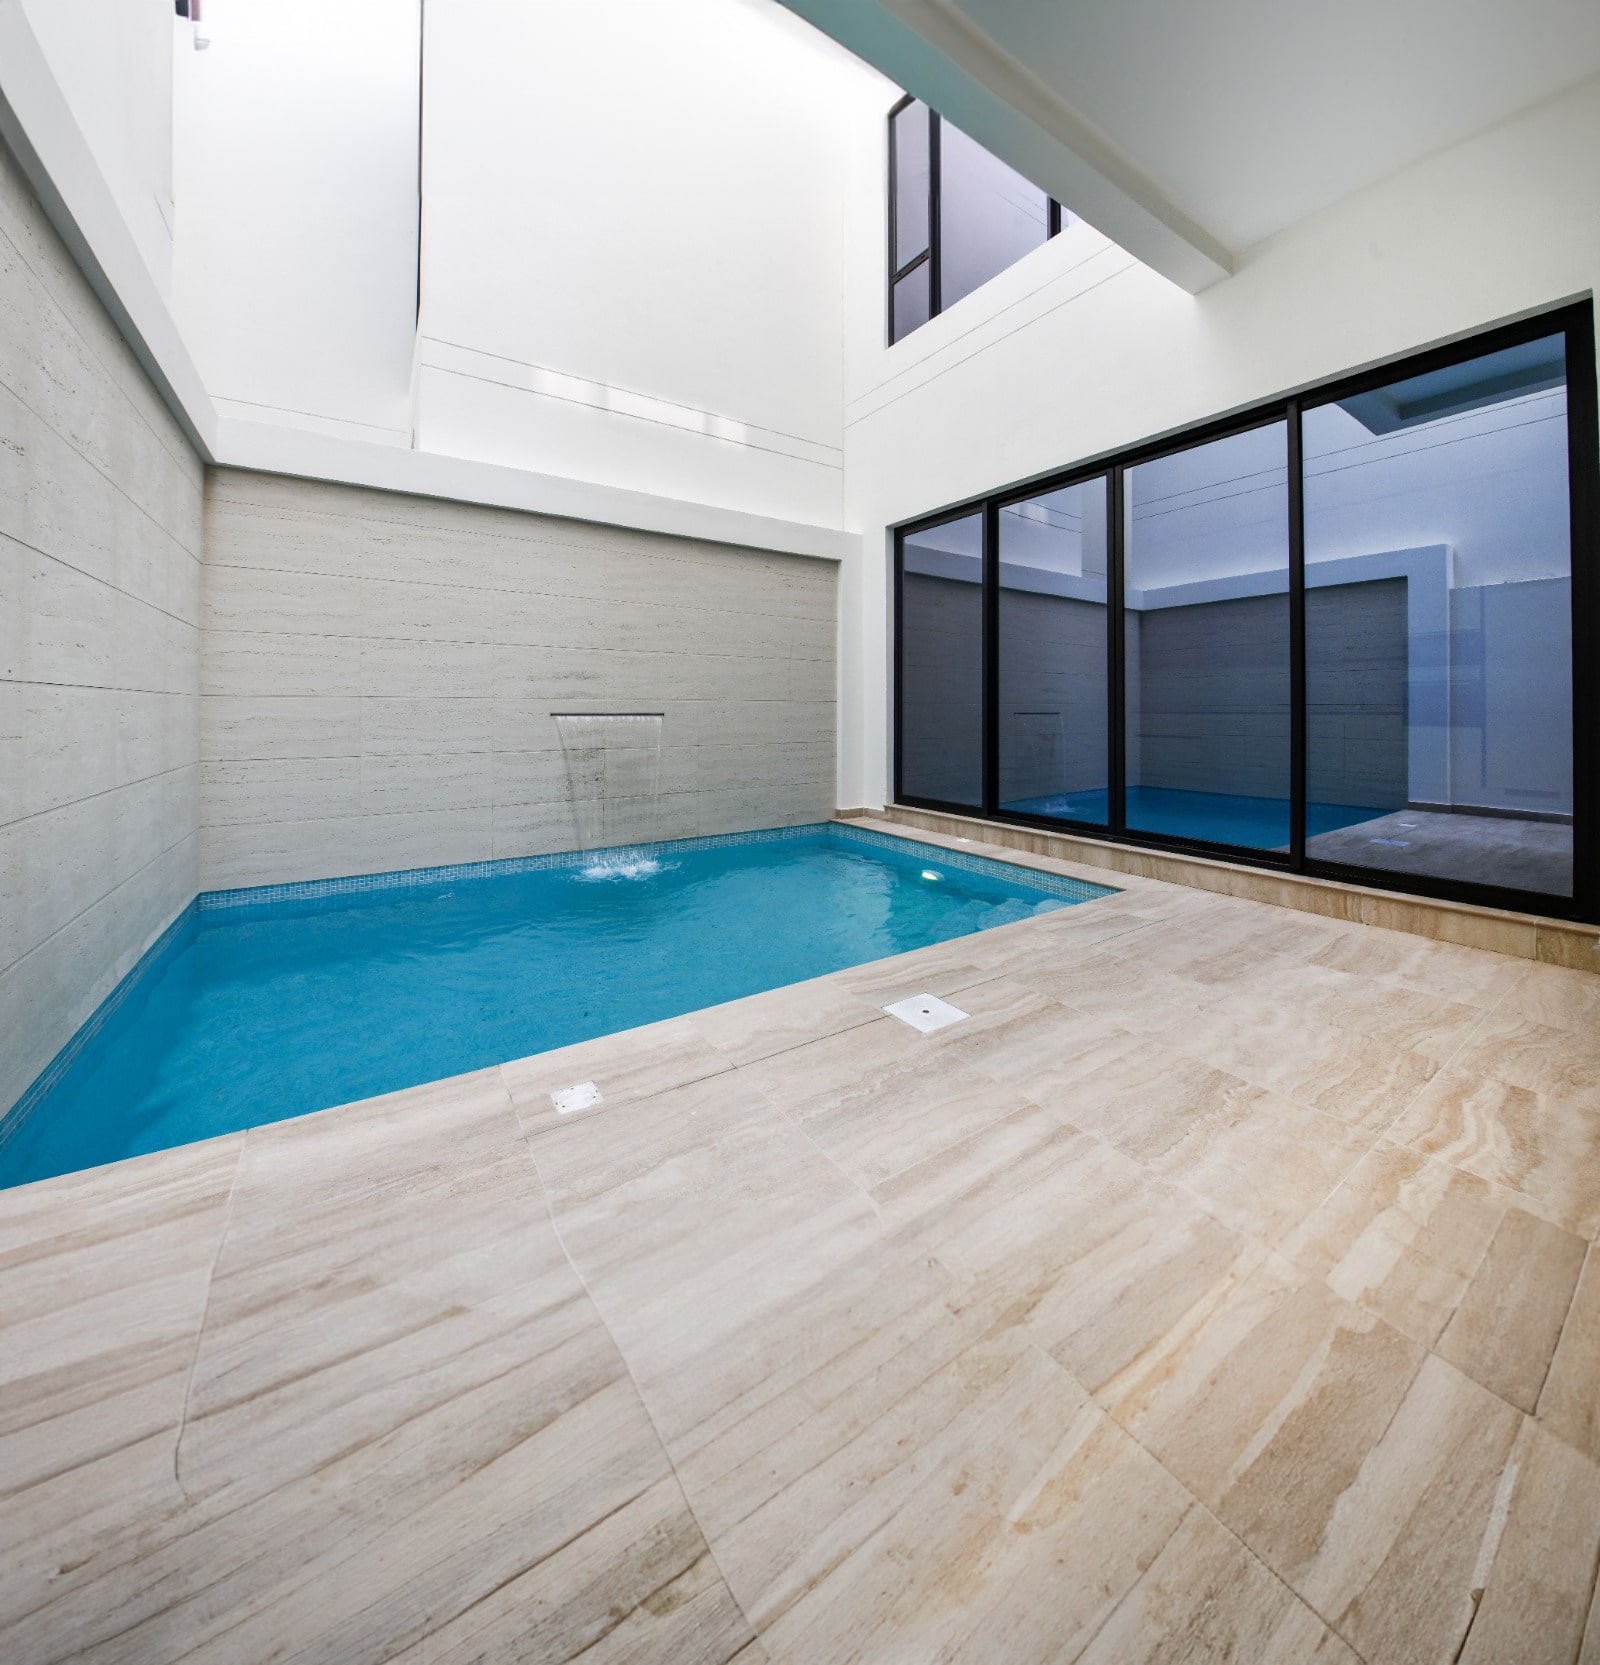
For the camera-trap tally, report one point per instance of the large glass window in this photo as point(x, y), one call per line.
point(1052, 655)
point(1206, 632)
point(1355, 634)
point(941, 663)
point(988, 216)
point(1439, 624)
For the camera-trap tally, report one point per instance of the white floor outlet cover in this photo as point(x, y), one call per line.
point(926, 1012)
point(582, 1097)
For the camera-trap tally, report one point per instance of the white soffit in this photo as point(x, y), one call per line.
point(1188, 133)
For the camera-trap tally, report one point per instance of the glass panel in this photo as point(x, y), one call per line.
point(941, 663)
point(1438, 624)
point(1207, 642)
point(910, 183)
point(1053, 654)
point(911, 301)
point(989, 215)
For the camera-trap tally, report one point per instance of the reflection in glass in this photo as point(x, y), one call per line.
point(910, 183)
point(911, 300)
point(941, 663)
point(1053, 654)
point(989, 215)
point(1207, 642)
point(1438, 622)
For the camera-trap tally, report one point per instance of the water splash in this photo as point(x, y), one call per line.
point(613, 763)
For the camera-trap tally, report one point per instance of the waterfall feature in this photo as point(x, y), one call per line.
point(613, 761)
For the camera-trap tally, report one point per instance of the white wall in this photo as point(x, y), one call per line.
point(113, 62)
point(296, 186)
point(632, 246)
point(1078, 351)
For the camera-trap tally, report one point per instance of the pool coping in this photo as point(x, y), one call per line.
point(1068, 887)
point(1570, 944)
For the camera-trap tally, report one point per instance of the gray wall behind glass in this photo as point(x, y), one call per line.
point(1208, 701)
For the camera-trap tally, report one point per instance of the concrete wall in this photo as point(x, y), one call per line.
point(1208, 701)
point(380, 671)
point(942, 684)
point(1357, 666)
point(100, 527)
point(1052, 695)
point(1208, 709)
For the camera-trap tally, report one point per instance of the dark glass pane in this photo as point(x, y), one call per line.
point(1438, 624)
point(989, 215)
point(911, 301)
point(910, 183)
point(1207, 667)
point(1053, 654)
point(941, 663)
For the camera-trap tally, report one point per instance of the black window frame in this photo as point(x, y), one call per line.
point(932, 254)
point(1575, 322)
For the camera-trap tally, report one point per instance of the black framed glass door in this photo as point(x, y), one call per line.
point(1355, 634)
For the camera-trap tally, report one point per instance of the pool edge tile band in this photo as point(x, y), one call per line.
point(309, 890)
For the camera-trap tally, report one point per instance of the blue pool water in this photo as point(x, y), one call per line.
point(270, 1004)
point(1210, 817)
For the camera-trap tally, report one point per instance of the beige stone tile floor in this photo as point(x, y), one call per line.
point(1222, 1288)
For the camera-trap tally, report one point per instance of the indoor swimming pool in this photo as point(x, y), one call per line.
point(269, 1003)
point(1206, 817)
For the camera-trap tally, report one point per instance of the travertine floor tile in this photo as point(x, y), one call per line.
point(1467, 975)
point(1541, 1566)
point(1206, 1597)
point(1557, 998)
point(1563, 1063)
point(1505, 1329)
point(1364, 1082)
point(1389, 1014)
point(392, 1325)
point(880, 1099)
point(693, 1216)
point(1363, 1471)
point(635, 1064)
point(935, 970)
point(104, 1277)
point(1569, 1403)
point(1259, 1161)
point(1058, 938)
point(1402, 1237)
point(1123, 990)
point(1009, 1533)
point(1052, 1230)
point(764, 1024)
point(1545, 1147)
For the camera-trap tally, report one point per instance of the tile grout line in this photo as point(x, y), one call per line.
point(205, 1313)
point(92, 797)
point(1196, 1502)
point(92, 350)
point(1591, 1625)
point(633, 1380)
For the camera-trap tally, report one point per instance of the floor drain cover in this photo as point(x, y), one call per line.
point(926, 1012)
point(582, 1097)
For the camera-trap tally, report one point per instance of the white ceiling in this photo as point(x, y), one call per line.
point(1197, 130)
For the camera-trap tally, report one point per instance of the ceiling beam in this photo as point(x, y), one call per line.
point(933, 50)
